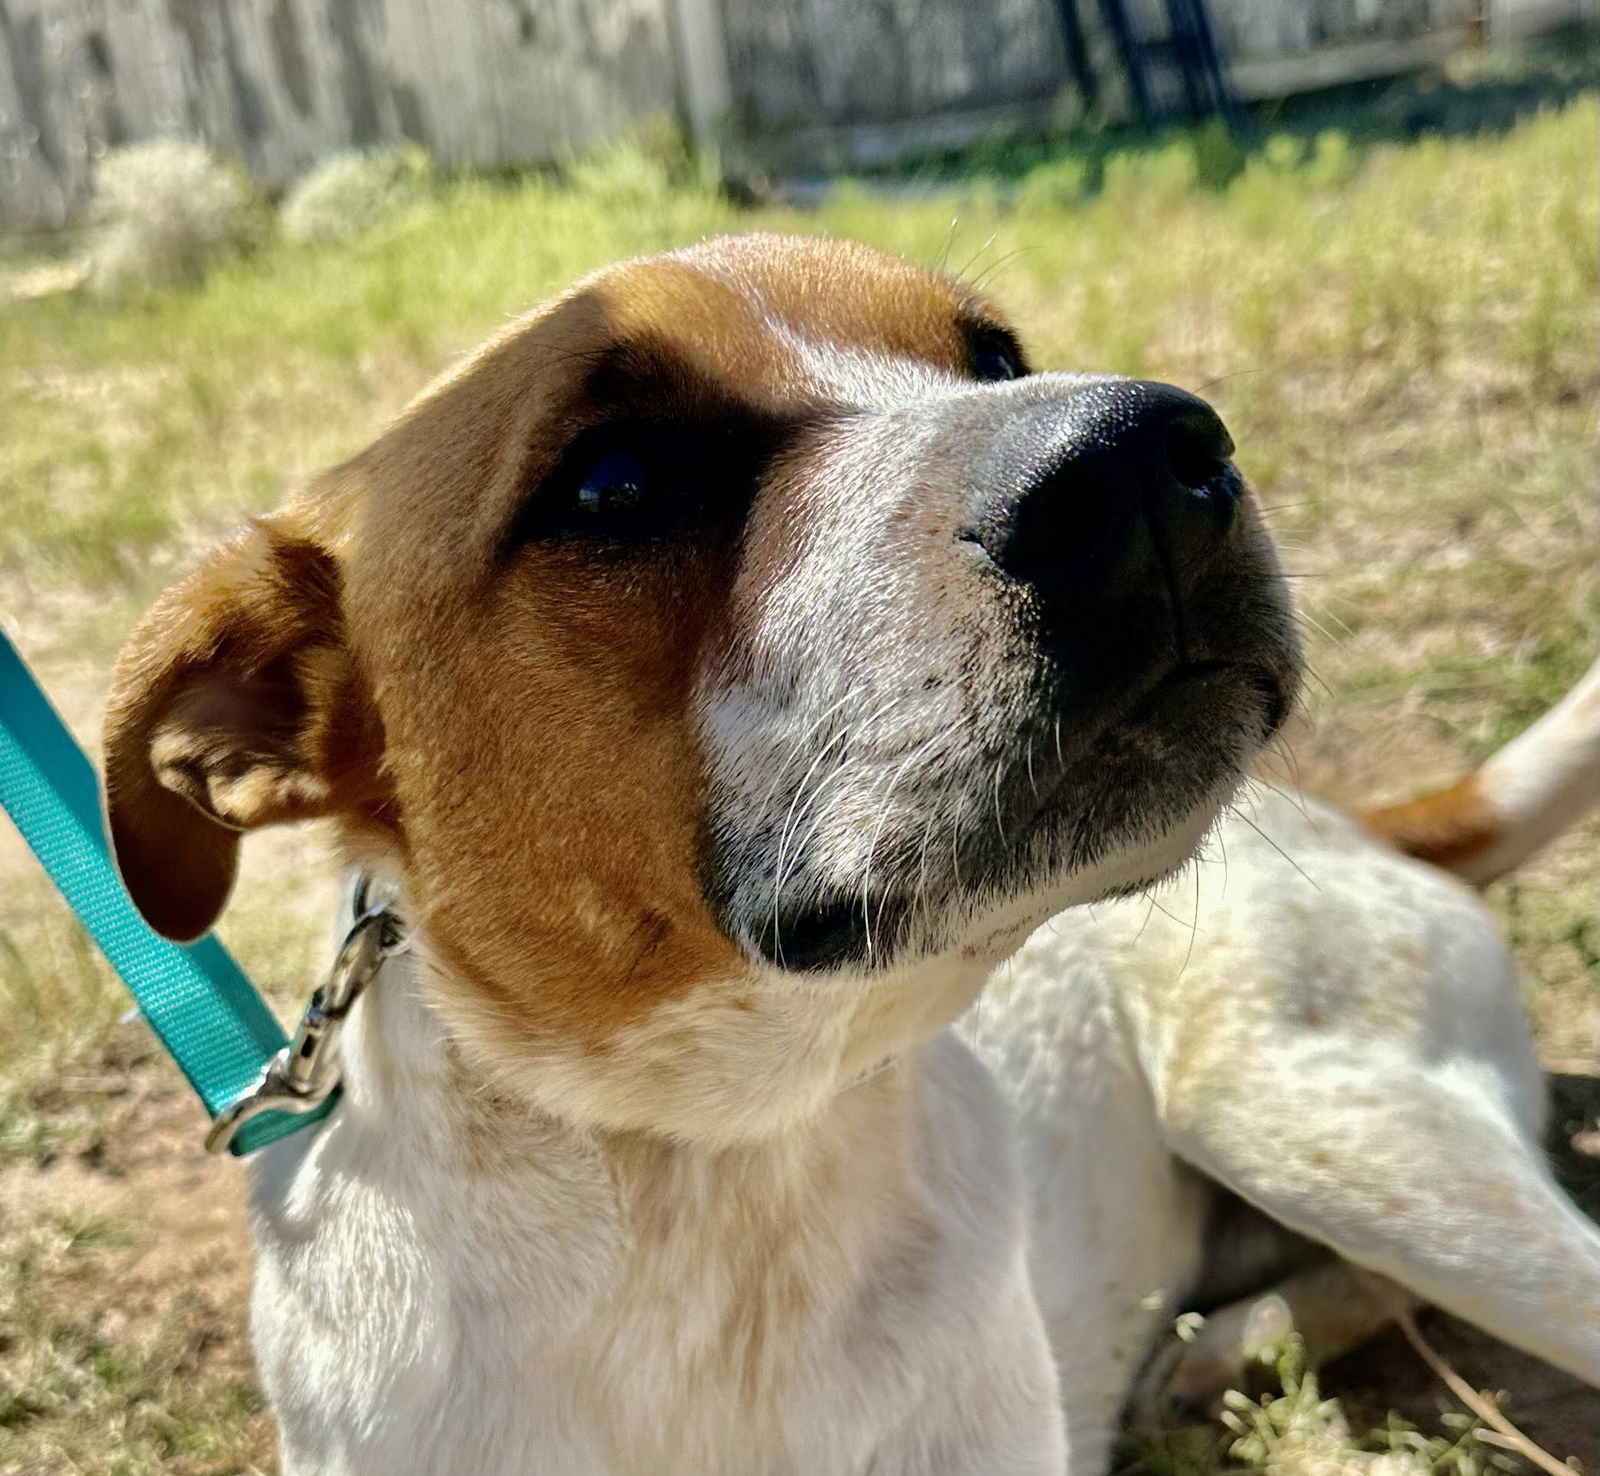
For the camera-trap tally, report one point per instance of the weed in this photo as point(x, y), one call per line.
point(168, 209)
point(348, 194)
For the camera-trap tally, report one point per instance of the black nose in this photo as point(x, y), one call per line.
point(1106, 487)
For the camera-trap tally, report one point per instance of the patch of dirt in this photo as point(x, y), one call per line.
point(1553, 1409)
point(183, 1270)
point(186, 1210)
point(1573, 1139)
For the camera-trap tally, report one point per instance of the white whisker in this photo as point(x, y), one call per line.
point(883, 816)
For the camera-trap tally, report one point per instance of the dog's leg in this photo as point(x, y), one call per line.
point(1416, 1169)
point(1332, 1306)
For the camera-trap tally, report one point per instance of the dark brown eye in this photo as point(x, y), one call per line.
point(995, 356)
point(994, 364)
point(636, 482)
point(614, 488)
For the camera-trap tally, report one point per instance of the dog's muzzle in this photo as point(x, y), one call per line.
point(1088, 640)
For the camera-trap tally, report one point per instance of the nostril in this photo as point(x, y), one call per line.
point(1198, 448)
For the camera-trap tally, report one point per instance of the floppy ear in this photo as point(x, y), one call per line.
point(235, 704)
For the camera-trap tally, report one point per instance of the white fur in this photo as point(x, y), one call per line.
point(1538, 782)
point(1328, 1029)
point(452, 1277)
point(445, 1287)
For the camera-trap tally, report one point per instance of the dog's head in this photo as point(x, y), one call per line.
point(746, 623)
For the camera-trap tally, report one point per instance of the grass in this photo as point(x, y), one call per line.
point(1296, 1431)
point(1475, 93)
point(80, 1393)
point(1400, 332)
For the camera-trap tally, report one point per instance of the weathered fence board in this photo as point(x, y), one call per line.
point(282, 82)
point(509, 82)
point(797, 62)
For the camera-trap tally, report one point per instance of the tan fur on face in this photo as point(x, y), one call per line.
point(553, 839)
point(537, 752)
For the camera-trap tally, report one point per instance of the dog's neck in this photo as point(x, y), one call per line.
point(620, 1298)
point(772, 1081)
point(731, 1060)
point(614, 1231)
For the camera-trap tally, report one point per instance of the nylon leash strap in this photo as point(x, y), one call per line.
point(195, 997)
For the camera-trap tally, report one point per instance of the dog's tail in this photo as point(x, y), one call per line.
point(1490, 822)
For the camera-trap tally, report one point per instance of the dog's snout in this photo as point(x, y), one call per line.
point(1107, 486)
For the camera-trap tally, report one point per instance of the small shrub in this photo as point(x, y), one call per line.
point(621, 176)
point(654, 163)
point(1219, 157)
point(1160, 177)
point(350, 193)
point(167, 210)
point(1332, 162)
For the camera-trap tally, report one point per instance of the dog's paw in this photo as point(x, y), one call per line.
point(1208, 1356)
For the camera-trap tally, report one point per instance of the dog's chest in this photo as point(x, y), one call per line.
point(421, 1306)
point(404, 1311)
point(498, 1324)
point(1115, 1221)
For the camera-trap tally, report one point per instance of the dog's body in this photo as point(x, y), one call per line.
point(728, 671)
point(728, 667)
point(1301, 1022)
point(1333, 1032)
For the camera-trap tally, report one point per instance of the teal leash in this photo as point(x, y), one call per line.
point(195, 997)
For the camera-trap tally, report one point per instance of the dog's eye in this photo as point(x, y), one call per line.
point(631, 482)
point(993, 364)
point(614, 488)
point(995, 356)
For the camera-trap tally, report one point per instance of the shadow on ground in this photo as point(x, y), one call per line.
point(1477, 94)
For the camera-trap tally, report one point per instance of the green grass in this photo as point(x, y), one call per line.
point(1371, 288)
point(1294, 1430)
point(81, 1396)
point(1400, 334)
point(1476, 93)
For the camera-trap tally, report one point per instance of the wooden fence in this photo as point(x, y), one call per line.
point(498, 83)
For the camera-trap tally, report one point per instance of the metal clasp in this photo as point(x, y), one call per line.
point(305, 1072)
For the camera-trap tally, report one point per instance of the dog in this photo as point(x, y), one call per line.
point(1316, 1030)
point(727, 667)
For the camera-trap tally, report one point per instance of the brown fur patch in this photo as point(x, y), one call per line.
point(1447, 828)
point(233, 706)
point(539, 767)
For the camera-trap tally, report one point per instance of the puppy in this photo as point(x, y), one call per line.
point(729, 665)
point(1331, 1032)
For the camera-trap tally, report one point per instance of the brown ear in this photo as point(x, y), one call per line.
point(235, 704)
